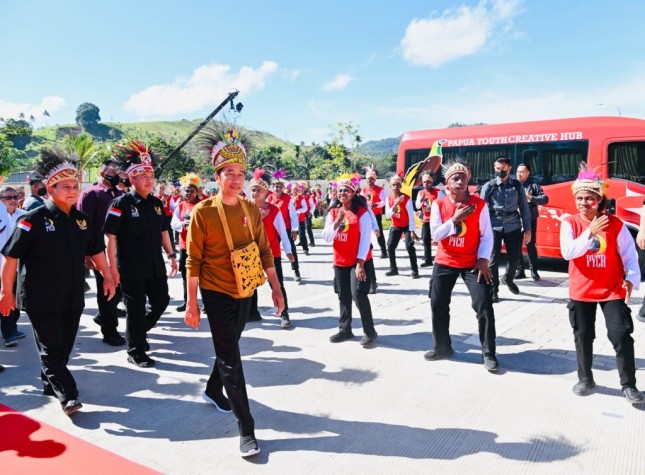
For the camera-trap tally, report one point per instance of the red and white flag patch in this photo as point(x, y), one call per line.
point(24, 225)
point(115, 212)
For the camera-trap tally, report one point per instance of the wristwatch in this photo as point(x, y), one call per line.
point(172, 256)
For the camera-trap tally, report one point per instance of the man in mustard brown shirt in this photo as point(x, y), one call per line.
point(209, 268)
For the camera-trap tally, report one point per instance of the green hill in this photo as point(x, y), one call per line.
point(380, 148)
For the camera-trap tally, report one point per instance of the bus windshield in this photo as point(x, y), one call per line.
point(627, 161)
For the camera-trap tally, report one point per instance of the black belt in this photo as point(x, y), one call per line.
point(505, 213)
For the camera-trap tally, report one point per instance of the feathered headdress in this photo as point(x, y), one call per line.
point(55, 166)
point(261, 178)
point(370, 171)
point(134, 157)
point(589, 180)
point(191, 179)
point(452, 168)
point(348, 180)
point(279, 175)
point(224, 145)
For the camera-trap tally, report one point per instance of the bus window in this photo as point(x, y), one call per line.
point(627, 161)
point(562, 163)
point(530, 158)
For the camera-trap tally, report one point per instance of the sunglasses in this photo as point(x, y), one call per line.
point(10, 197)
point(344, 190)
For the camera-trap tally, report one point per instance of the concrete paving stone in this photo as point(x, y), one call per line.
point(330, 408)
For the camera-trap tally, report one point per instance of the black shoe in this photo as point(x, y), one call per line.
point(520, 274)
point(254, 317)
point(366, 340)
point(392, 272)
point(311, 244)
point(584, 388)
point(341, 336)
point(141, 360)
point(436, 354)
point(181, 308)
point(307, 252)
point(298, 278)
point(71, 406)
point(511, 285)
point(220, 402)
point(384, 255)
point(426, 263)
point(114, 339)
point(86, 287)
point(97, 319)
point(373, 287)
point(120, 313)
point(495, 297)
point(415, 274)
point(490, 363)
point(535, 275)
point(633, 395)
point(284, 320)
point(248, 446)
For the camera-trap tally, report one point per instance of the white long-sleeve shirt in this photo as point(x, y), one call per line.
point(571, 248)
point(441, 230)
point(365, 223)
point(281, 228)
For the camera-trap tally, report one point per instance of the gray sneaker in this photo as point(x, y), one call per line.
point(490, 363)
point(248, 446)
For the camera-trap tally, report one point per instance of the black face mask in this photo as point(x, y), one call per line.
point(114, 180)
point(126, 182)
point(42, 191)
point(502, 173)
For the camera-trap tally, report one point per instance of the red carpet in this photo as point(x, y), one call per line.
point(29, 446)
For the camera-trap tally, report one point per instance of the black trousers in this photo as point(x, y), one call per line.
point(302, 235)
point(227, 317)
point(139, 322)
point(107, 308)
point(349, 289)
point(310, 231)
point(619, 323)
point(253, 308)
point(183, 257)
point(513, 242)
point(426, 239)
point(381, 238)
point(55, 334)
point(531, 250)
point(294, 265)
point(393, 241)
point(443, 282)
point(9, 324)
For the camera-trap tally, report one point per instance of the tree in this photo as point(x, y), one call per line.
point(18, 132)
point(84, 147)
point(87, 115)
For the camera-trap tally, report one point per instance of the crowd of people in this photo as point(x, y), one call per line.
point(230, 243)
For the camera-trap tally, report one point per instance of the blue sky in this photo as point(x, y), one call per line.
point(387, 66)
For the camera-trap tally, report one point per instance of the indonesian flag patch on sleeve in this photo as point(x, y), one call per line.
point(115, 212)
point(24, 225)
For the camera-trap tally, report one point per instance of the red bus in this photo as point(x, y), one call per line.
point(614, 146)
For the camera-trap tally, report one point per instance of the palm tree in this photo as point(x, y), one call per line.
point(84, 147)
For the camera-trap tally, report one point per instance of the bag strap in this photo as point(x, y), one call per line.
point(227, 231)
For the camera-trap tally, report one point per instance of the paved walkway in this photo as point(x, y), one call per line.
point(326, 408)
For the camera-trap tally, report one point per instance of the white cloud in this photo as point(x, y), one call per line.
point(207, 86)
point(13, 109)
point(456, 33)
point(339, 82)
point(292, 74)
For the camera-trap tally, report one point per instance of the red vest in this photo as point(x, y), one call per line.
point(598, 275)
point(400, 218)
point(272, 232)
point(427, 197)
point(460, 250)
point(185, 208)
point(348, 238)
point(301, 202)
point(373, 195)
point(283, 205)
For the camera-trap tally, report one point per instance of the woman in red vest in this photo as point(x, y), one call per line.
point(349, 226)
point(276, 231)
point(190, 184)
point(603, 270)
point(460, 224)
point(398, 207)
